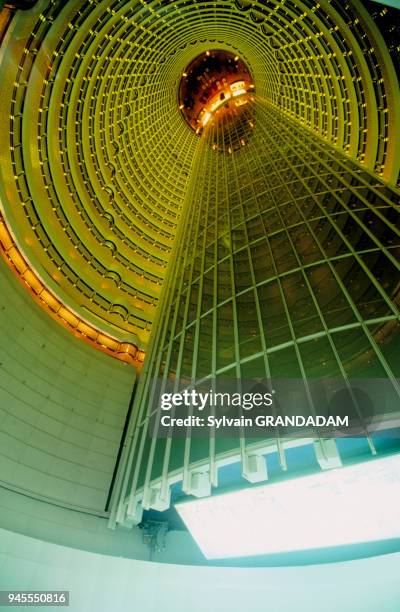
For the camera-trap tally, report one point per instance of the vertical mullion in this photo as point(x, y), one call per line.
point(315, 302)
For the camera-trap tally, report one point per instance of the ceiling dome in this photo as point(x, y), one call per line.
point(100, 155)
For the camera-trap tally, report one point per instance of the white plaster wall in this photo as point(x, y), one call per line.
point(62, 405)
point(100, 583)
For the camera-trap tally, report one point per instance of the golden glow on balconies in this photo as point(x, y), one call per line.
point(124, 351)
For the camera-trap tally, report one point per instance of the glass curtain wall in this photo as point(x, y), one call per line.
point(286, 265)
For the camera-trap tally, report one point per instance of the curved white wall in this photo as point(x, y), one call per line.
point(100, 584)
point(62, 405)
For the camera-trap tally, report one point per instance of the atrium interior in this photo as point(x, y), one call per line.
point(195, 192)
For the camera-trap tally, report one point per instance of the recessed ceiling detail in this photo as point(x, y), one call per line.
point(214, 82)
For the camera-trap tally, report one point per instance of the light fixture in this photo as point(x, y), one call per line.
point(349, 505)
point(206, 118)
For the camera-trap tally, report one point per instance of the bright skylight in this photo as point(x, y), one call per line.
point(354, 504)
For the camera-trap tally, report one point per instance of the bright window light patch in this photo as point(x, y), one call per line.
point(354, 504)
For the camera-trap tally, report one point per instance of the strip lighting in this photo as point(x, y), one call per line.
point(124, 351)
